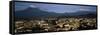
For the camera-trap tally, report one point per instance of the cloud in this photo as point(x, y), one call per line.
point(33, 6)
point(84, 9)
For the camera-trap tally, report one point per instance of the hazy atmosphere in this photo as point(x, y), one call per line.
point(40, 18)
point(53, 7)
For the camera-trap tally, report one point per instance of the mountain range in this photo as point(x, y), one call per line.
point(30, 12)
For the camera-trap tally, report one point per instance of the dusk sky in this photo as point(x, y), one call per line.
point(54, 7)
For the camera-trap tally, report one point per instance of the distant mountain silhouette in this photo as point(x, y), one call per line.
point(30, 12)
point(78, 13)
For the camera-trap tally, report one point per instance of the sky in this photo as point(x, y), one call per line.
point(54, 7)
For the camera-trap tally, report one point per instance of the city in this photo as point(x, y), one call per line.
point(54, 25)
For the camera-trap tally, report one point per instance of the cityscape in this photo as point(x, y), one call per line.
point(39, 17)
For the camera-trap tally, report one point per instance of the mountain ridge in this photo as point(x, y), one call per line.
point(30, 12)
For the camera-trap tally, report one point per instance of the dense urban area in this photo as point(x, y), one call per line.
point(54, 25)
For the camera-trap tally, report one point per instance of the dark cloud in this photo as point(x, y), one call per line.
point(54, 7)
